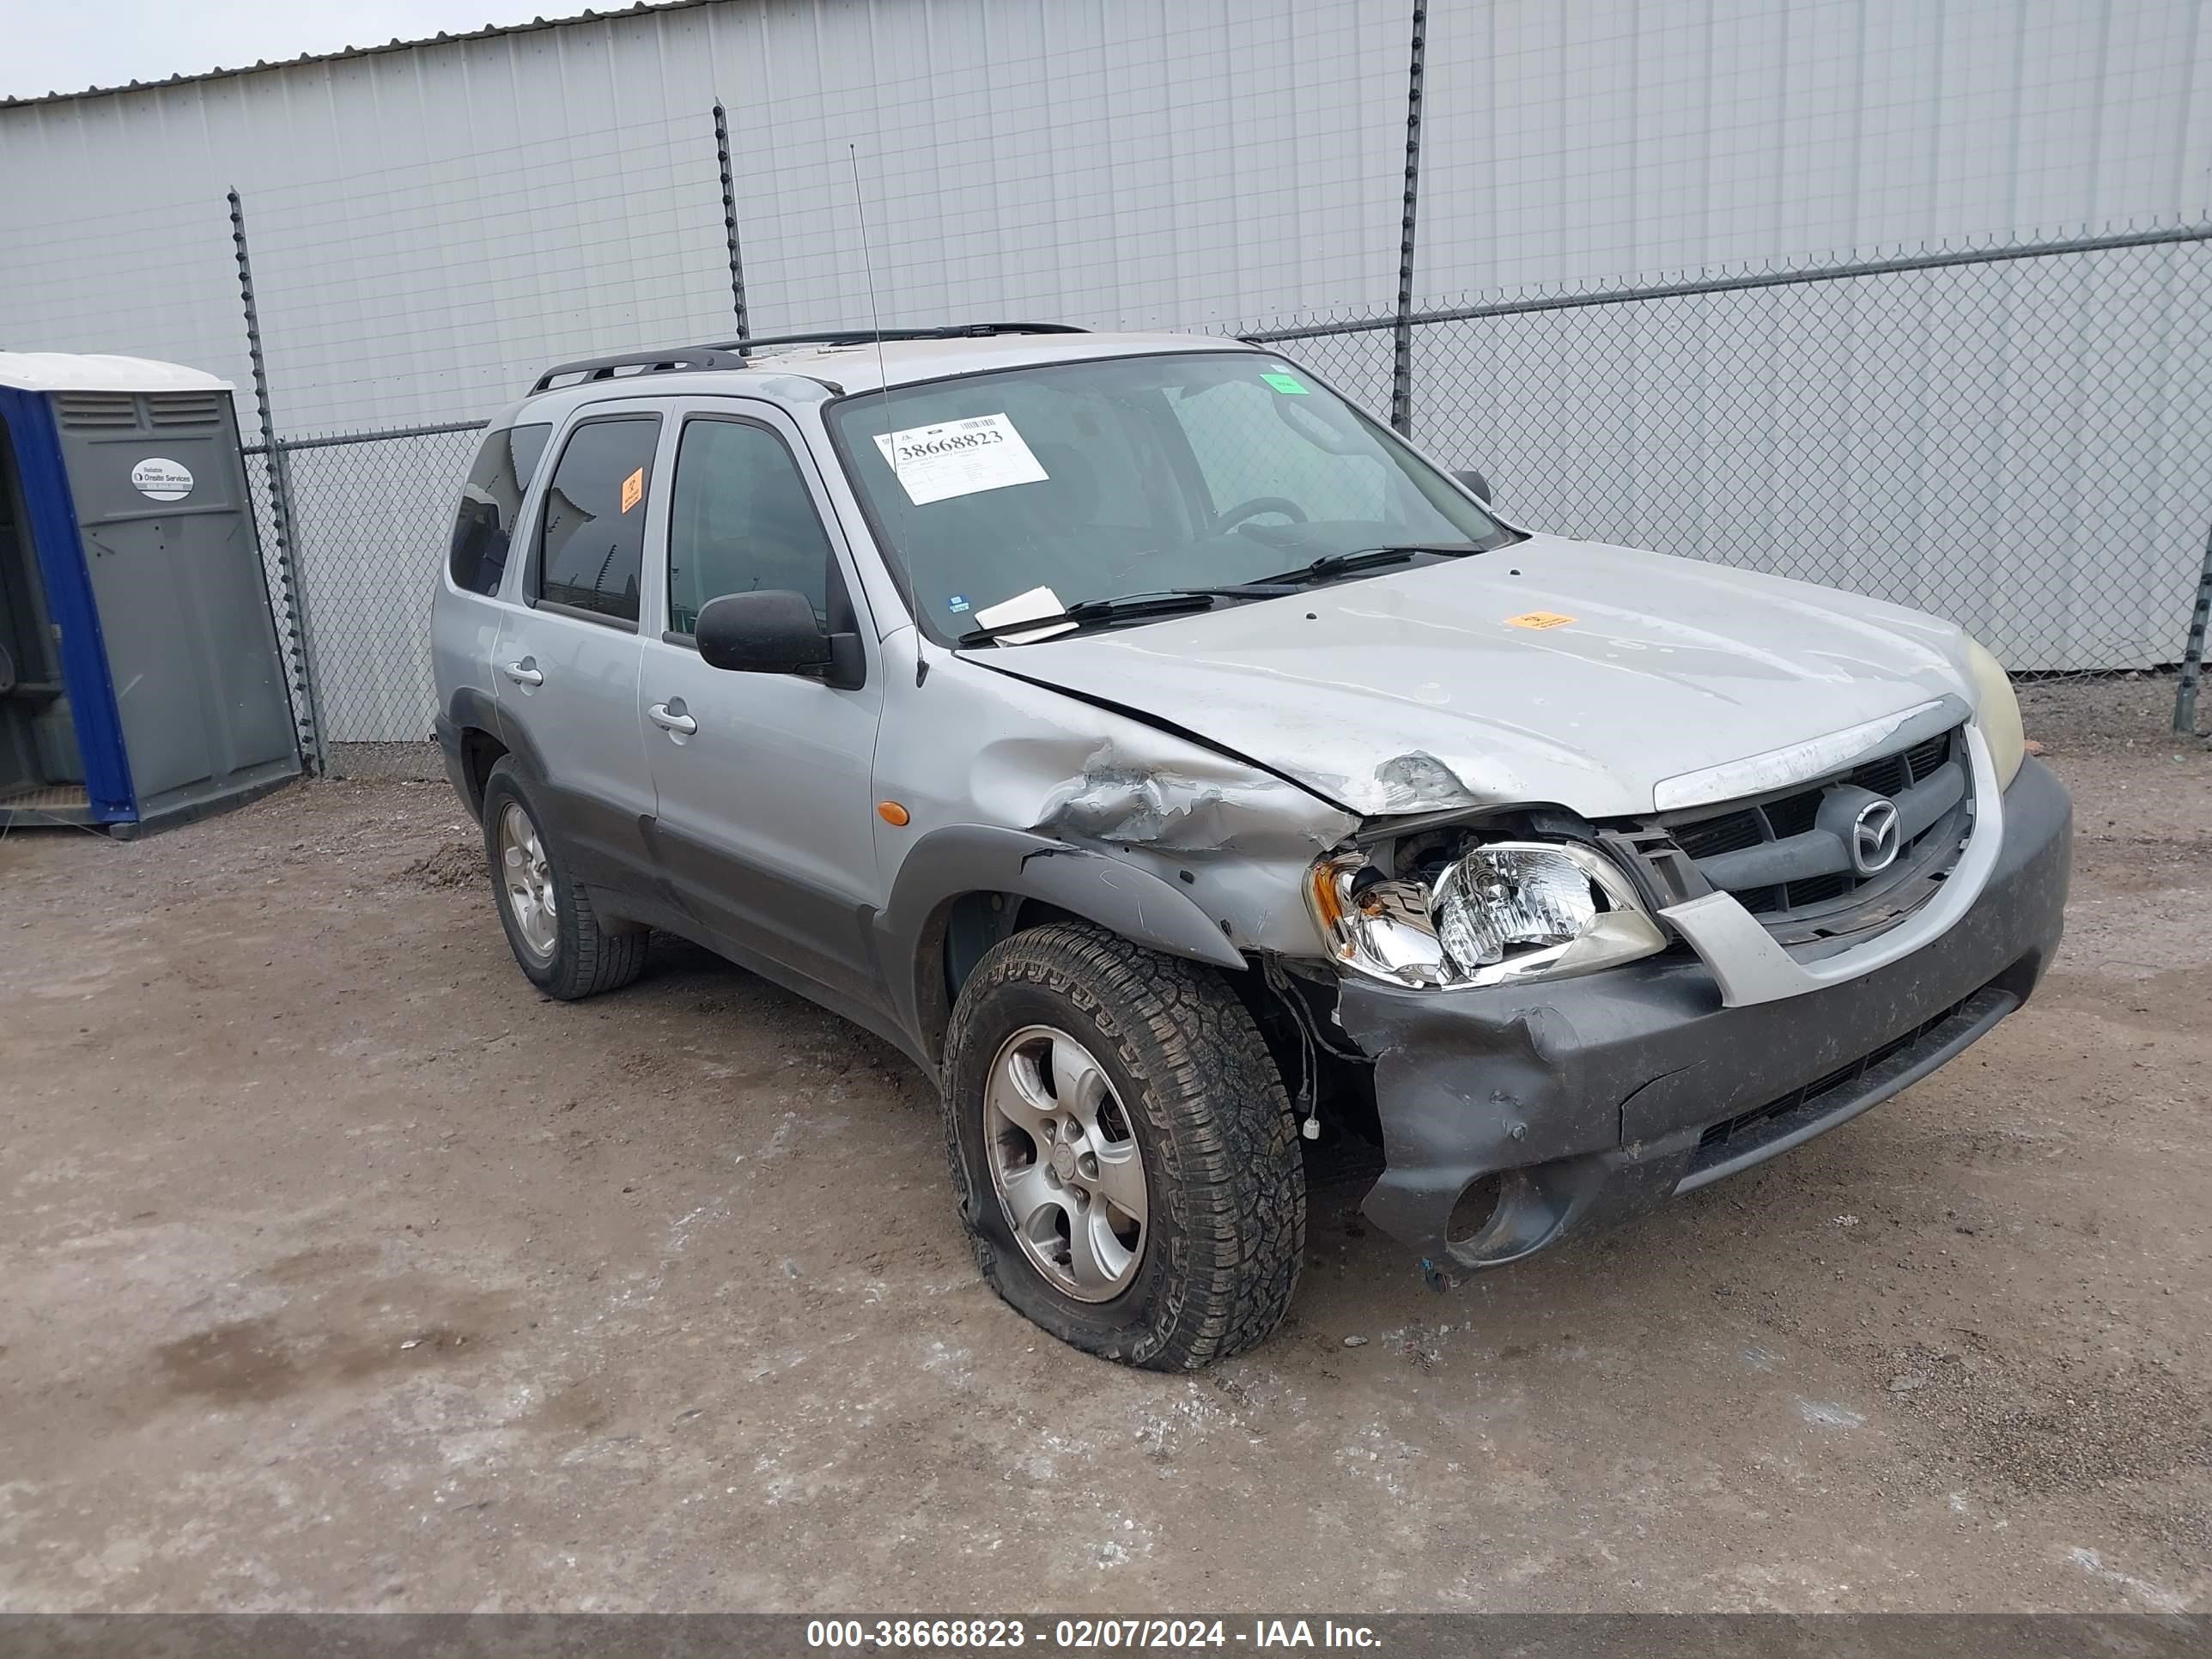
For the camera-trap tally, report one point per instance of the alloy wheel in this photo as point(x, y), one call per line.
point(526, 882)
point(1065, 1163)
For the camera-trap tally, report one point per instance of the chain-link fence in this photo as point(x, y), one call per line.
point(2016, 438)
point(365, 531)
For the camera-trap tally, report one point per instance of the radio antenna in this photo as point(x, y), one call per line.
point(875, 321)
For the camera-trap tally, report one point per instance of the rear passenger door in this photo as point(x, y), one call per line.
point(765, 825)
point(567, 660)
point(489, 539)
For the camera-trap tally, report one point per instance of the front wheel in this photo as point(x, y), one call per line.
point(1124, 1151)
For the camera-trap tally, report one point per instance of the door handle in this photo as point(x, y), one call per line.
point(522, 674)
point(667, 721)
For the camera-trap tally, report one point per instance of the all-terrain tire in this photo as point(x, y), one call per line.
point(587, 957)
point(1226, 1201)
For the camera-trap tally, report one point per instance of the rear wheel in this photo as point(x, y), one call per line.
point(1124, 1151)
point(553, 929)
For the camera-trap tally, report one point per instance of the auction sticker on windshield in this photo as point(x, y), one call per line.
point(959, 458)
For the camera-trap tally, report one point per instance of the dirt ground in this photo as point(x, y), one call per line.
point(342, 1270)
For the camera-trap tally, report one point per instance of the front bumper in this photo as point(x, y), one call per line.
point(1549, 1107)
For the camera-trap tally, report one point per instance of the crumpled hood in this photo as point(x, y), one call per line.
point(1414, 691)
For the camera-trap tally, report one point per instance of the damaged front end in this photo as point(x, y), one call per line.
point(1519, 1003)
point(1564, 1057)
point(1363, 937)
point(1447, 933)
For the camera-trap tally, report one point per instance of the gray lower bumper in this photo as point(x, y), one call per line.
point(1596, 1098)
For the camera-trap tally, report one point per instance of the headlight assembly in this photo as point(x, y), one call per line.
point(1996, 714)
point(1497, 911)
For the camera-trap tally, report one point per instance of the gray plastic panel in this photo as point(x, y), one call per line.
point(176, 571)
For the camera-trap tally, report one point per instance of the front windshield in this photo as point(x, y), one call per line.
point(1095, 480)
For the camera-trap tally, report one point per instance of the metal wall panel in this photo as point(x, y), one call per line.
point(429, 224)
point(1593, 138)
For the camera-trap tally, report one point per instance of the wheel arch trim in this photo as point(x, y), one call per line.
point(951, 864)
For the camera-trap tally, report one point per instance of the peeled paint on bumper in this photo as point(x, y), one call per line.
point(1467, 1085)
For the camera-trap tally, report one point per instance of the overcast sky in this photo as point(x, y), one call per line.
point(46, 46)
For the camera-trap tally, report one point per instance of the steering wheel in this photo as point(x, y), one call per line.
point(1253, 508)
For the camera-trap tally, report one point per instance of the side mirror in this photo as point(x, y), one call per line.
point(1479, 485)
point(769, 632)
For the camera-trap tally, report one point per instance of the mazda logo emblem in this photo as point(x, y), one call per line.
point(1875, 837)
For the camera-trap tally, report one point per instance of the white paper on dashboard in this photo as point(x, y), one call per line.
point(1037, 602)
point(959, 458)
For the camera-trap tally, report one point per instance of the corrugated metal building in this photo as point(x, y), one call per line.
point(431, 223)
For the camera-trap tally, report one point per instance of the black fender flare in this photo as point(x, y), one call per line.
point(950, 863)
point(471, 708)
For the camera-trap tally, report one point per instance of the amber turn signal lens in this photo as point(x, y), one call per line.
point(891, 812)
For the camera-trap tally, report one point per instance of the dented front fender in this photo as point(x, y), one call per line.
point(1227, 840)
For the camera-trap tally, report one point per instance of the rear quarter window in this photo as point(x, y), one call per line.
point(484, 526)
point(592, 531)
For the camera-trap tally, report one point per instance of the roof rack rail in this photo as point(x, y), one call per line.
point(869, 336)
point(730, 354)
point(646, 363)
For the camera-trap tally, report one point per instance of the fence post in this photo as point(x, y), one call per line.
point(305, 715)
point(2192, 655)
point(1401, 353)
point(729, 218)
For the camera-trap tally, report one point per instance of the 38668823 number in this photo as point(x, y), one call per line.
point(879, 1634)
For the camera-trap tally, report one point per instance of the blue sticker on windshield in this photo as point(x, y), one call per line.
point(957, 602)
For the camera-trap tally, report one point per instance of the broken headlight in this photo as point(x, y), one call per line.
point(1493, 912)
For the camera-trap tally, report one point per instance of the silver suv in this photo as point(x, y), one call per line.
point(1175, 764)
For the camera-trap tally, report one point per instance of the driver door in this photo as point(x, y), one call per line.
point(764, 826)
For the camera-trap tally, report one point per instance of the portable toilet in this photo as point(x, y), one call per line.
point(140, 678)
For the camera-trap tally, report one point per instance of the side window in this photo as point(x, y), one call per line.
point(1245, 451)
point(488, 502)
point(740, 519)
point(591, 543)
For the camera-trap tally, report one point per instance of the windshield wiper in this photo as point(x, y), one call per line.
point(1091, 613)
point(1170, 600)
point(1331, 565)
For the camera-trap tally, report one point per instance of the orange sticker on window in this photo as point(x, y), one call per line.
point(632, 490)
point(1538, 619)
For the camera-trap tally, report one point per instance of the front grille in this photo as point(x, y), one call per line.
point(1782, 898)
point(1925, 757)
point(1818, 889)
point(1721, 835)
point(1792, 815)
